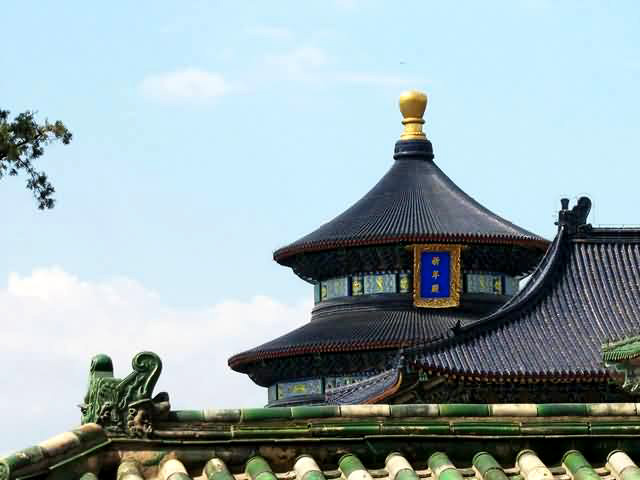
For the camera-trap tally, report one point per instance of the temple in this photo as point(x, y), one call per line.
point(424, 358)
point(386, 326)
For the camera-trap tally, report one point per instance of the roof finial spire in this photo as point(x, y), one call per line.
point(413, 103)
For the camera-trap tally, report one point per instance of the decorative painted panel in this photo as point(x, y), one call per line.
point(484, 283)
point(299, 388)
point(380, 283)
point(404, 280)
point(273, 393)
point(323, 291)
point(316, 292)
point(511, 285)
point(335, 382)
point(357, 285)
point(336, 287)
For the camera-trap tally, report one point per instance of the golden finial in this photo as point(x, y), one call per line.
point(412, 106)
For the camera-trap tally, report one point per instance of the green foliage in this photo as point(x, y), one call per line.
point(22, 140)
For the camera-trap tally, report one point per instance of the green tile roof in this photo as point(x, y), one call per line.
point(361, 442)
point(248, 415)
point(624, 349)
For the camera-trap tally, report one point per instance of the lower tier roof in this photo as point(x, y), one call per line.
point(358, 328)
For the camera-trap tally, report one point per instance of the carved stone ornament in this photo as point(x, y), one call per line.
point(125, 406)
point(624, 357)
point(575, 218)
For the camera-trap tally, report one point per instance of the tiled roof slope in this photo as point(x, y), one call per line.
point(397, 442)
point(585, 292)
point(370, 390)
point(414, 202)
point(358, 329)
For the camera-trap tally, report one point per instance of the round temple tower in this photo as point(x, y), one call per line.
point(413, 259)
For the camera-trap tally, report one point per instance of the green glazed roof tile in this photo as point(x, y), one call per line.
point(562, 409)
point(464, 410)
point(216, 469)
point(274, 413)
point(315, 412)
point(249, 415)
point(368, 433)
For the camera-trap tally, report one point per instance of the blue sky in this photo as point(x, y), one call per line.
point(208, 134)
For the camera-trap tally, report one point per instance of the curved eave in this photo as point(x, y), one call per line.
point(238, 361)
point(356, 328)
point(514, 377)
point(283, 254)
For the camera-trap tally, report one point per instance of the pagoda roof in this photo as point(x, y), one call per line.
point(386, 442)
point(414, 202)
point(584, 293)
point(357, 329)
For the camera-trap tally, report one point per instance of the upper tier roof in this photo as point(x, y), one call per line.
point(585, 292)
point(414, 202)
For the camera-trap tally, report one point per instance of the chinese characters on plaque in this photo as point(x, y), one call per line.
point(436, 276)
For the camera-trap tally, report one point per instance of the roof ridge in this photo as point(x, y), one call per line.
point(547, 410)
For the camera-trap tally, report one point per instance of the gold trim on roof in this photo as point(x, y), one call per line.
point(453, 300)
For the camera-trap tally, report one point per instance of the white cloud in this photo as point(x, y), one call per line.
point(299, 63)
point(189, 85)
point(314, 65)
point(55, 322)
point(308, 65)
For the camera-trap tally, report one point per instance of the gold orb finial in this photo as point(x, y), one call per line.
point(413, 103)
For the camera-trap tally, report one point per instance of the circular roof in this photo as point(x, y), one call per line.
point(413, 202)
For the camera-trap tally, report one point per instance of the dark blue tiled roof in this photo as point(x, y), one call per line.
point(371, 390)
point(414, 202)
point(585, 292)
point(349, 330)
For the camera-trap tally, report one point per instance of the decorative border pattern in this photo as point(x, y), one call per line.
point(489, 283)
point(453, 300)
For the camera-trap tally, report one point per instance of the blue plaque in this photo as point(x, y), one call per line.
point(436, 275)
